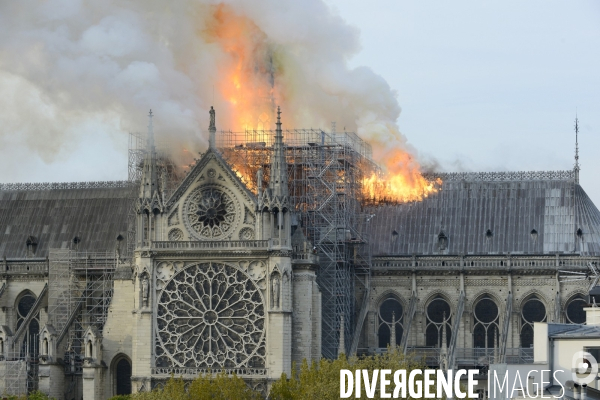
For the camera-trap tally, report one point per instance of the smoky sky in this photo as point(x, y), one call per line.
point(70, 70)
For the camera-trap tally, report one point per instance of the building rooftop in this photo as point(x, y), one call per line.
point(573, 331)
point(492, 213)
point(52, 215)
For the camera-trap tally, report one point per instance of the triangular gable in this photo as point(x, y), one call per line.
point(196, 172)
point(211, 187)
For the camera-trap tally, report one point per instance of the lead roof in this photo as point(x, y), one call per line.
point(55, 215)
point(518, 213)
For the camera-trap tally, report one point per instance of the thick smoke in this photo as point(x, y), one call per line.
point(63, 62)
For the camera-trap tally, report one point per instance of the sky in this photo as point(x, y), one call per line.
point(482, 86)
point(490, 85)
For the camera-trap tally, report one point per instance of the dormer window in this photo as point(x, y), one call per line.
point(442, 241)
point(534, 234)
point(31, 243)
point(488, 234)
point(76, 241)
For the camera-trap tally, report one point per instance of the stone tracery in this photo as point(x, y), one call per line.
point(210, 213)
point(210, 315)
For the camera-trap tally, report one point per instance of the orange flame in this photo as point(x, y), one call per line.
point(402, 182)
point(247, 83)
point(247, 78)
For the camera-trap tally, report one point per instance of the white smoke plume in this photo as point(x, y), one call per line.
point(63, 62)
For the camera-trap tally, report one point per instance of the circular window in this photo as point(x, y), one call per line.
point(210, 213)
point(390, 307)
point(534, 311)
point(575, 312)
point(486, 311)
point(211, 316)
point(25, 305)
point(437, 309)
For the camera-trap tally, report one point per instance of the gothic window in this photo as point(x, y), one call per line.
point(122, 374)
point(390, 314)
point(438, 317)
point(485, 318)
point(30, 336)
point(210, 213)
point(210, 315)
point(533, 310)
point(574, 311)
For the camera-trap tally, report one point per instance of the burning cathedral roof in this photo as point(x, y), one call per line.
point(492, 213)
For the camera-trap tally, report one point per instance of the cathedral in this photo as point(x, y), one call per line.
point(247, 267)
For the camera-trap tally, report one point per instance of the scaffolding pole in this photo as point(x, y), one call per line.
point(325, 175)
point(80, 289)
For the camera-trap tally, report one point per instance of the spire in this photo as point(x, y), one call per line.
point(342, 346)
point(576, 169)
point(149, 184)
point(150, 140)
point(212, 129)
point(278, 182)
point(393, 331)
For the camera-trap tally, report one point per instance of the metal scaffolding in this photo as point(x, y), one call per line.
point(80, 286)
point(325, 174)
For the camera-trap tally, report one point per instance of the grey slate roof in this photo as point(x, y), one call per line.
point(558, 331)
point(509, 205)
point(54, 214)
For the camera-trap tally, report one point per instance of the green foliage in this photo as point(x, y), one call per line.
point(219, 387)
point(121, 397)
point(321, 380)
point(36, 395)
point(316, 381)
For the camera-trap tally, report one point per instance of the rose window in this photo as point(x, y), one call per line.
point(210, 316)
point(210, 213)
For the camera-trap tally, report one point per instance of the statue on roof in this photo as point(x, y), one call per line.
point(212, 118)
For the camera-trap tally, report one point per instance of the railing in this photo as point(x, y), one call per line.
point(278, 242)
point(38, 268)
point(430, 356)
point(216, 245)
point(519, 355)
point(194, 372)
point(475, 356)
point(468, 356)
point(65, 185)
point(310, 258)
point(567, 175)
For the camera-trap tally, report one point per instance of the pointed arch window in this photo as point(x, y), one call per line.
point(485, 318)
point(533, 310)
point(438, 315)
point(30, 345)
point(391, 315)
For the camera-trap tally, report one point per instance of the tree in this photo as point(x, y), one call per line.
point(321, 380)
point(204, 387)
